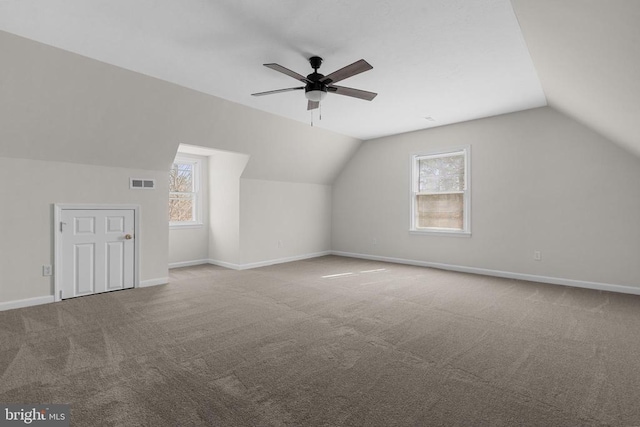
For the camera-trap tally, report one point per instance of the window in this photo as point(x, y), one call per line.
point(184, 192)
point(441, 193)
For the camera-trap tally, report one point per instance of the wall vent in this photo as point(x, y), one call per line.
point(142, 184)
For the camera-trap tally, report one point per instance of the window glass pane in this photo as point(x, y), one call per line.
point(181, 207)
point(181, 177)
point(440, 211)
point(441, 174)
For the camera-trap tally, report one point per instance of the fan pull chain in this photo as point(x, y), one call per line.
point(319, 113)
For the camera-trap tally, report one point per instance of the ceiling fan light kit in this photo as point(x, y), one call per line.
point(316, 95)
point(317, 85)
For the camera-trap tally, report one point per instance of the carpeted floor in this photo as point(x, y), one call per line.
point(305, 344)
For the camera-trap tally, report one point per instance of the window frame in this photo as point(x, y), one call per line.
point(414, 186)
point(196, 162)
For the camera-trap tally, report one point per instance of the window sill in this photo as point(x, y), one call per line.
point(178, 226)
point(433, 232)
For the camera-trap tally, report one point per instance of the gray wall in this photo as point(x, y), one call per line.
point(74, 130)
point(225, 170)
point(29, 190)
point(540, 181)
point(283, 219)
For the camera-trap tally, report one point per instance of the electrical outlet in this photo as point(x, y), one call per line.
point(374, 241)
point(279, 243)
point(537, 256)
point(46, 270)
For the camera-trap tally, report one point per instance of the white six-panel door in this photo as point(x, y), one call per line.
point(97, 251)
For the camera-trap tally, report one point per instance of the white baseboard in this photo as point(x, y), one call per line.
point(283, 260)
point(225, 264)
point(153, 282)
point(188, 263)
point(266, 263)
point(10, 305)
point(498, 273)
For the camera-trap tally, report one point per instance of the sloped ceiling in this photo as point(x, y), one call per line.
point(59, 106)
point(587, 54)
point(435, 61)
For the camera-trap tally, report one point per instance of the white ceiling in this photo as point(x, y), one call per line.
point(451, 60)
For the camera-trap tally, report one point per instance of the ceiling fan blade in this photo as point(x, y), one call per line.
point(312, 105)
point(355, 93)
point(350, 70)
point(288, 72)
point(277, 91)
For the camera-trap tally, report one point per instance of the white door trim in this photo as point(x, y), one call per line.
point(57, 240)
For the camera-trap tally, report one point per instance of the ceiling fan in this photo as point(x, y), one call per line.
point(317, 85)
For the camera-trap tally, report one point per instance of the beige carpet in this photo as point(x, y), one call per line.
point(385, 345)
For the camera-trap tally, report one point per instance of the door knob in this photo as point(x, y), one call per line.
point(128, 236)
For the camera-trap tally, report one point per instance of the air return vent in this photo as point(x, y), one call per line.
point(142, 184)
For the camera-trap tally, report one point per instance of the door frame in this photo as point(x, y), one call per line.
point(57, 239)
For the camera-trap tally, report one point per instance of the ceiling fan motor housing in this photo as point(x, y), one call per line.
point(315, 83)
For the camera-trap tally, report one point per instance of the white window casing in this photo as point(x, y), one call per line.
point(441, 193)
